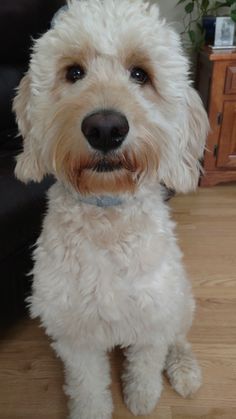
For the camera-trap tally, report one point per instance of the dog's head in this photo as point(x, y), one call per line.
point(106, 104)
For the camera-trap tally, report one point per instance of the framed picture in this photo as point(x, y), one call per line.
point(224, 32)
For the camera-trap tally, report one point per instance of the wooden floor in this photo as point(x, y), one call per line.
point(31, 377)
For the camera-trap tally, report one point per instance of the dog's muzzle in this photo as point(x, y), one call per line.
point(105, 130)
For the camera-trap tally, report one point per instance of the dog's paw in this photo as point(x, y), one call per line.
point(142, 399)
point(186, 380)
point(89, 410)
point(183, 372)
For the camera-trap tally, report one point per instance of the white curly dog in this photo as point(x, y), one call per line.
point(107, 108)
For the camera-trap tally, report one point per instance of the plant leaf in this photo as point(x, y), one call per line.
point(189, 8)
point(181, 1)
point(205, 4)
point(192, 36)
point(219, 4)
point(200, 27)
point(230, 2)
point(233, 15)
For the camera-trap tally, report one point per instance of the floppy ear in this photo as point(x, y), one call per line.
point(180, 168)
point(29, 165)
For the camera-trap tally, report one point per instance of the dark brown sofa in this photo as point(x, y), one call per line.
point(21, 206)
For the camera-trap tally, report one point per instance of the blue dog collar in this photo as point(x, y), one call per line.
point(101, 201)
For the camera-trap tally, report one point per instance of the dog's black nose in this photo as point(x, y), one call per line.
point(105, 130)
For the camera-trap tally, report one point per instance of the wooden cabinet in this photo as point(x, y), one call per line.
point(216, 83)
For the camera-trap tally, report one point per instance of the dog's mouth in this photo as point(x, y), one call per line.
point(105, 166)
point(110, 163)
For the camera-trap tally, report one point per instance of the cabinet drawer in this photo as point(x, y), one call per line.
point(230, 80)
point(227, 140)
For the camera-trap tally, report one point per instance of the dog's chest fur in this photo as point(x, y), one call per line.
point(103, 270)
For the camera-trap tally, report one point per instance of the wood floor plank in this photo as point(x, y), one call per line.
point(202, 413)
point(31, 377)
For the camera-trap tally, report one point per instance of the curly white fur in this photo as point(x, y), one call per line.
point(112, 276)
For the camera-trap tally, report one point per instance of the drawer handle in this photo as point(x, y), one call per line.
point(219, 118)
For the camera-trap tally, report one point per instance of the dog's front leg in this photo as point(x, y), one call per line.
point(87, 381)
point(182, 368)
point(142, 379)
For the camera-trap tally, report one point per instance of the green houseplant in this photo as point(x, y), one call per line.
point(194, 32)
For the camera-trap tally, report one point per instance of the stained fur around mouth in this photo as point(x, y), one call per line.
point(111, 162)
point(105, 165)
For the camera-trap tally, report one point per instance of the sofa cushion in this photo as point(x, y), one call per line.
point(22, 206)
point(20, 21)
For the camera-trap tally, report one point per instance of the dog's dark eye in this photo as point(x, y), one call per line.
point(139, 75)
point(74, 73)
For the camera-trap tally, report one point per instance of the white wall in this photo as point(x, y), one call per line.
point(175, 14)
point(171, 12)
